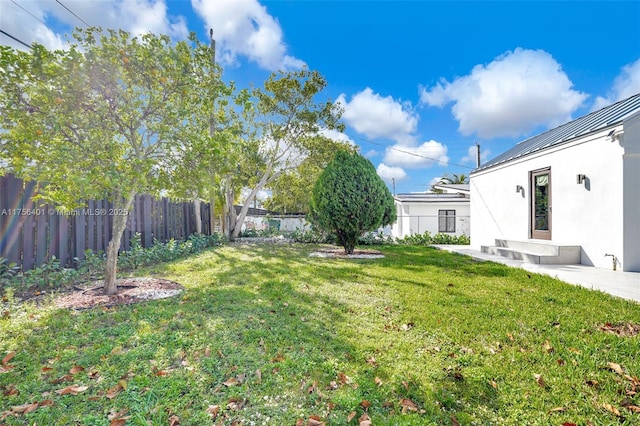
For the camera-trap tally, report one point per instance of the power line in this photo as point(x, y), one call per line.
point(29, 12)
point(418, 155)
point(16, 39)
point(71, 12)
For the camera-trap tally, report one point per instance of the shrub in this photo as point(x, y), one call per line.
point(350, 199)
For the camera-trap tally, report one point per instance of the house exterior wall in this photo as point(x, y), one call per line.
point(631, 202)
point(588, 214)
point(415, 217)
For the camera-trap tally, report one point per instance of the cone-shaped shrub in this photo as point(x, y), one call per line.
point(350, 199)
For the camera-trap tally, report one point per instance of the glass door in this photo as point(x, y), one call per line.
point(541, 204)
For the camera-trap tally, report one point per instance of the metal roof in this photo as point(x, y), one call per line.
point(597, 120)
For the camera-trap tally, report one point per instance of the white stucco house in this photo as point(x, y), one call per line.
point(446, 212)
point(570, 195)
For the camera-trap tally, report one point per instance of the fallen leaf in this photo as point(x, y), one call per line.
point(278, 358)
point(408, 405)
point(592, 383)
point(24, 408)
point(8, 357)
point(539, 380)
point(365, 404)
point(258, 376)
point(76, 369)
point(174, 420)
point(557, 410)
point(46, 403)
point(160, 373)
point(569, 424)
point(72, 390)
point(315, 421)
point(547, 346)
point(207, 351)
point(10, 390)
point(612, 409)
point(575, 351)
point(351, 416)
point(114, 391)
point(230, 382)
point(65, 378)
point(6, 368)
point(364, 420)
point(300, 422)
point(454, 421)
point(615, 368)
point(493, 384)
point(560, 361)
point(46, 369)
point(118, 350)
point(633, 408)
point(342, 378)
point(378, 381)
point(213, 411)
point(118, 419)
point(372, 361)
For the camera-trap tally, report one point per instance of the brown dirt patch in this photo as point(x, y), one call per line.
point(130, 291)
point(622, 329)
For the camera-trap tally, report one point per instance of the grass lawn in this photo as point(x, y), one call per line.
point(266, 335)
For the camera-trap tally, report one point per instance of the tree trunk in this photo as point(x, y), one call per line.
point(117, 229)
point(237, 224)
point(196, 208)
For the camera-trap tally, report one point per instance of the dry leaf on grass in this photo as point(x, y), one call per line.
point(72, 390)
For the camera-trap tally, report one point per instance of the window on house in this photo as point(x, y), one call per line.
point(446, 221)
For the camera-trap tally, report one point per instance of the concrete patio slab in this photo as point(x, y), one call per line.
point(617, 283)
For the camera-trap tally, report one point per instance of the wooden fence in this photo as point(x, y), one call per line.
point(32, 233)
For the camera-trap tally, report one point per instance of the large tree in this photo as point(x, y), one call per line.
point(281, 121)
point(108, 117)
point(350, 199)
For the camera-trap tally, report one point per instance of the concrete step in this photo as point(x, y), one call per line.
point(535, 252)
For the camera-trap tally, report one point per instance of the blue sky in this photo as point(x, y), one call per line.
point(421, 82)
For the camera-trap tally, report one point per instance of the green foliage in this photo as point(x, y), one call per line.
point(350, 199)
point(313, 236)
point(428, 239)
point(278, 130)
point(49, 275)
point(291, 190)
point(110, 117)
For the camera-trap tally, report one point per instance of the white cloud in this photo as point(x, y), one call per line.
point(512, 95)
point(388, 173)
point(337, 136)
point(414, 157)
point(472, 154)
point(244, 27)
point(371, 153)
point(626, 84)
point(134, 16)
point(376, 116)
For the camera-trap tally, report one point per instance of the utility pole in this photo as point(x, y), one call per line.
point(477, 155)
point(393, 181)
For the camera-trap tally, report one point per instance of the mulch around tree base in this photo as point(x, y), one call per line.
point(130, 291)
point(339, 253)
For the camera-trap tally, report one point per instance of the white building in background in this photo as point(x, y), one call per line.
point(437, 213)
point(569, 195)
